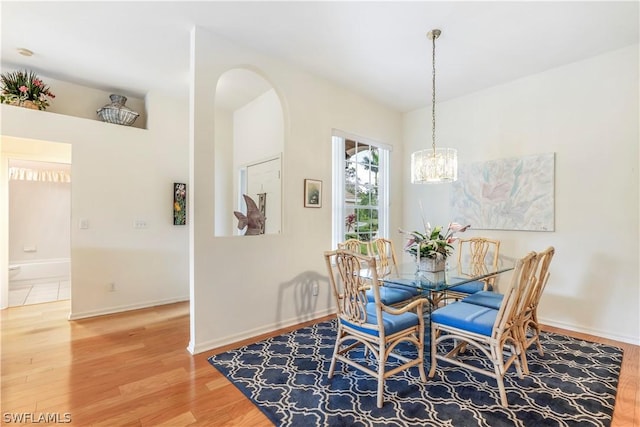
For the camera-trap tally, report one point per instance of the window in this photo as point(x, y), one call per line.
point(360, 183)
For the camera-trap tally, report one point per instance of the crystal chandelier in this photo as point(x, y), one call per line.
point(434, 165)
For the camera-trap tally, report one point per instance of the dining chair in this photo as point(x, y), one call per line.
point(529, 325)
point(356, 245)
point(527, 316)
point(493, 332)
point(386, 263)
point(386, 259)
point(374, 326)
point(475, 253)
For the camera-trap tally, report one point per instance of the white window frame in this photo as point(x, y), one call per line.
point(338, 180)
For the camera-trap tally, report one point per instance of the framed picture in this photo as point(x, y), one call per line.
point(312, 193)
point(179, 203)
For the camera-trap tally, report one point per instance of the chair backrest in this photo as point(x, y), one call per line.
point(385, 253)
point(542, 276)
point(357, 246)
point(522, 281)
point(543, 270)
point(349, 287)
point(477, 252)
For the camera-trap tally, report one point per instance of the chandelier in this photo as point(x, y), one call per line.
point(434, 165)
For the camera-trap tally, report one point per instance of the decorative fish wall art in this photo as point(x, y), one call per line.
point(254, 220)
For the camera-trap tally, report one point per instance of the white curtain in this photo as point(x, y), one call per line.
point(25, 174)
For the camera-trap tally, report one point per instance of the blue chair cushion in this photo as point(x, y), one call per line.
point(391, 295)
point(404, 284)
point(485, 299)
point(469, 317)
point(469, 287)
point(392, 322)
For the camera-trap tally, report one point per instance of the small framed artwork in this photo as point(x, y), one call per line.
point(179, 203)
point(312, 193)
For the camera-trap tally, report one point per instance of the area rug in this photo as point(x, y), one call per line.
point(573, 384)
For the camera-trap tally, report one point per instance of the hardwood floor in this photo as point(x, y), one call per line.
point(132, 369)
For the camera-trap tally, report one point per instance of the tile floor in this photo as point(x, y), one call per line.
point(34, 293)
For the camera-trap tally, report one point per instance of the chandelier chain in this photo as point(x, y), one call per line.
point(433, 95)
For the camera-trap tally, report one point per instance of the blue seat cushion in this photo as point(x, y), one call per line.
point(469, 287)
point(404, 284)
point(391, 295)
point(485, 299)
point(392, 322)
point(469, 317)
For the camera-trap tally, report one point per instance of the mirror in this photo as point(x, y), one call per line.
point(249, 142)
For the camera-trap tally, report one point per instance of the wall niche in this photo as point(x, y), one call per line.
point(249, 144)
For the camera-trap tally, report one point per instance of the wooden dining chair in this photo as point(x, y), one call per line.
point(386, 259)
point(359, 247)
point(529, 325)
point(386, 263)
point(373, 326)
point(527, 316)
point(356, 245)
point(476, 254)
point(493, 332)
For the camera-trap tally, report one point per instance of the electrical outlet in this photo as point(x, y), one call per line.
point(314, 289)
point(112, 287)
point(140, 223)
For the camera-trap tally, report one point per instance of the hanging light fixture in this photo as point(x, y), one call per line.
point(434, 165)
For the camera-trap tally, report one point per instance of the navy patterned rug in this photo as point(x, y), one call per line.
point(573, 384)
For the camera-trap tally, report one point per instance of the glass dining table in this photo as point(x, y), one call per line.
point(427, 283)
point(434, 285)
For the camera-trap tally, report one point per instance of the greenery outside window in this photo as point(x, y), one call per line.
point(360, 182)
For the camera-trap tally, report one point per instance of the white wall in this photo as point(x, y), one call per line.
point(587, 113)
point(225, 222)
point(258, 130)
point(39, 213)
point(120, 174)
point(246, 285)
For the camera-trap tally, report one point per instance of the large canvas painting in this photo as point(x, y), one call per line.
point(506, 194)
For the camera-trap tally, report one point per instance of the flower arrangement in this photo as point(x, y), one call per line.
point(24, 88)
point(433, 243)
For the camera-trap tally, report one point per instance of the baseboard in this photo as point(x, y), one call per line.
point(123, 308)
point(599, 333)
point(230, 339)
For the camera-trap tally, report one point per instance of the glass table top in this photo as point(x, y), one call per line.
point(453, 275)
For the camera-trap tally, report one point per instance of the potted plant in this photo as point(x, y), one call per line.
point(25, 89)
point(432, 247)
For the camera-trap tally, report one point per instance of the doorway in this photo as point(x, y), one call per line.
point(37, 207)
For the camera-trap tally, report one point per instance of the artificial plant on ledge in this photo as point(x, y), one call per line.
point(25, 89)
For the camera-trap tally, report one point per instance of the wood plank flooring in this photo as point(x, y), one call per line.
point(133, 369)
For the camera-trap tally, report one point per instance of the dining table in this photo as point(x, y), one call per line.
point(434, 285)
point(408, 275)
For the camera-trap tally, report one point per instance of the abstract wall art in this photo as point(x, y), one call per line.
point(506, 194)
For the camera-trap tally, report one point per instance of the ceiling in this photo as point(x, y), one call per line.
point(378, 49)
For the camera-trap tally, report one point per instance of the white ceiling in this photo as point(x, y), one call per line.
point(378, 49)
